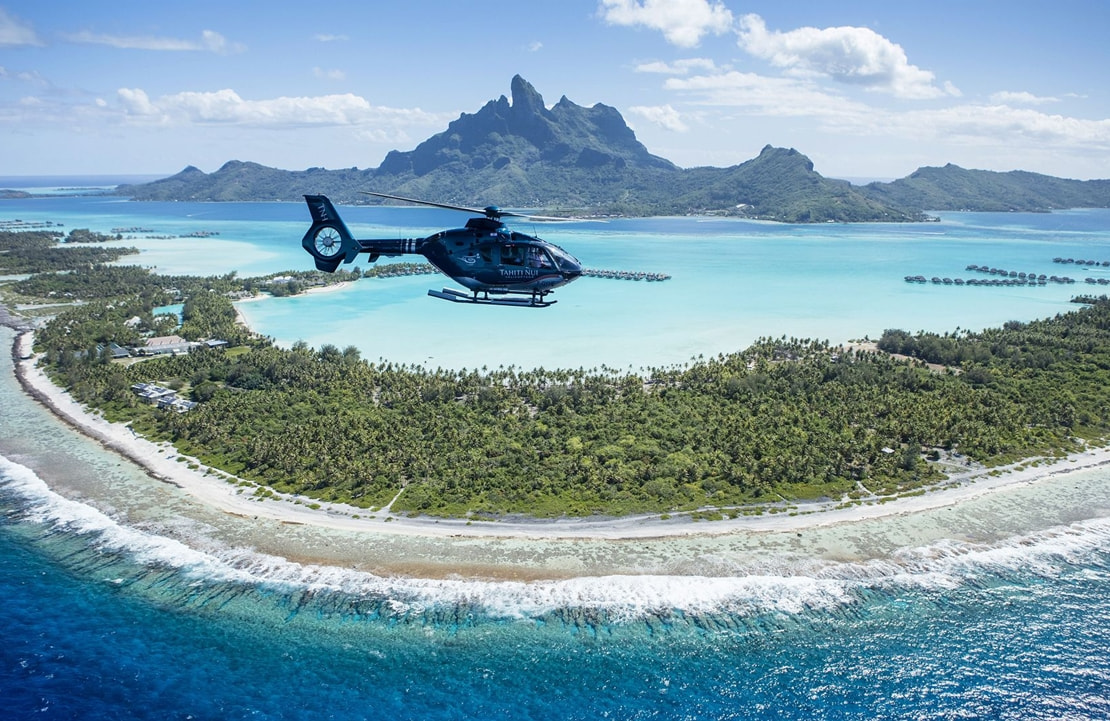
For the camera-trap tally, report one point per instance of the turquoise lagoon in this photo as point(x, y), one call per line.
point(732, 281)
point(124, 599)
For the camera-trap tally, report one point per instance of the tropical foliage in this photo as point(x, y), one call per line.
point(38, 251)
point(783, 420)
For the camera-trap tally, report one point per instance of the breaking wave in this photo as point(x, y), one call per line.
point(124, 554)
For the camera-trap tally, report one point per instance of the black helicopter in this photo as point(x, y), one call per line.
point(497, 265)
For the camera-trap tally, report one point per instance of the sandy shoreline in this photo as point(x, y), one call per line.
point(160, 460)
point(241, 317)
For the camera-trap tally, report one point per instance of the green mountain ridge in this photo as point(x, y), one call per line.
point(588, 161)
point(956, 188)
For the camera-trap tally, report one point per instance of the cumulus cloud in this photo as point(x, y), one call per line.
point(229, 108)
point(678, 67)
point(852, 55)
point(210, 41)
point(682, 22)
point(662, 115)
point(763, 95)
point(136, 102)
point(13, 31)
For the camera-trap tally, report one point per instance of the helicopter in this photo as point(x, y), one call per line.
point(498, 266)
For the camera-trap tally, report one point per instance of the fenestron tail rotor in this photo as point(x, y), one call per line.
point(328, 240)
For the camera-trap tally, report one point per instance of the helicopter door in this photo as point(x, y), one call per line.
point(512, 254)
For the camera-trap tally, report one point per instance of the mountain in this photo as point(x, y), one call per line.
point(780, 184)
point(955, 188)
point(571, 158)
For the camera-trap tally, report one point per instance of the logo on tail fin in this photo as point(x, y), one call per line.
point(328, 241)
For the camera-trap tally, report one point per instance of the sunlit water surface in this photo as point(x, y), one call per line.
point(125, 600)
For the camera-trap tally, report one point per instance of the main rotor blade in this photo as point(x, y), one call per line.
point(491, 211)
point(425, 202)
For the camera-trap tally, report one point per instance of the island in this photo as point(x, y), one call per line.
point(785, 427)
point(580, 161)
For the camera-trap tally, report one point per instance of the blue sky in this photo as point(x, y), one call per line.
point(865, 89)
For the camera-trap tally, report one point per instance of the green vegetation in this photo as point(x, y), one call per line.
point(956, 188)
point(38, 251)
point(783, 421)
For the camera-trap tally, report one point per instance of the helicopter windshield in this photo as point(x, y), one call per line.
point(564, 260)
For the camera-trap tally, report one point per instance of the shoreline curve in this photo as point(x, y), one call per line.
point(160, 461)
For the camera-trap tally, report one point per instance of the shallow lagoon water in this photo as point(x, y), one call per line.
point(732, 281)
point(124, 599)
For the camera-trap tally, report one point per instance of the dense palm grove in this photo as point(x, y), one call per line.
point(785, 419)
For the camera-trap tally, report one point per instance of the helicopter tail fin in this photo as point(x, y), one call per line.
point(328, 240)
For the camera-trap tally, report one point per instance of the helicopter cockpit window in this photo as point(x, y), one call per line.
point(538, 258)
point(486, 252)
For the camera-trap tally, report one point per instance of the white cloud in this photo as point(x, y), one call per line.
point(682, 22)
point(216, 43)
point(329, 74)
point(1006, 97)
point(325, 38)
point(767, 96)
point(1000, 126)
point(227, 107)
point(853, 55)
point(664, 116)
point(535, 46)
point(27, 76)
point(15, 32)
point(997, 125)
point(210, 41)
point(136, 102)
point(678, 67)
point(395, 136)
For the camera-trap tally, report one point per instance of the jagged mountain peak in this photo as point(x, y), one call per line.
point(526, 99)
point(518, 140)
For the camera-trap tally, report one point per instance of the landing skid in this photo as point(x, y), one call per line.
point(526, 300)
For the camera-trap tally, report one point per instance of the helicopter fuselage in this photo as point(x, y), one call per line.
point(485, 257)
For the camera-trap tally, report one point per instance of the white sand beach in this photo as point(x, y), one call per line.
point(161, 460)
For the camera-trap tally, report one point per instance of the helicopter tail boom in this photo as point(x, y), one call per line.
point(330, 243)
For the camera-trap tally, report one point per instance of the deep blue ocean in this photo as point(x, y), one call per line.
point(123, 602)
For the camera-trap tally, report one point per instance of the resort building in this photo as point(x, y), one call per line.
point(164, 398)
point(166, 345)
